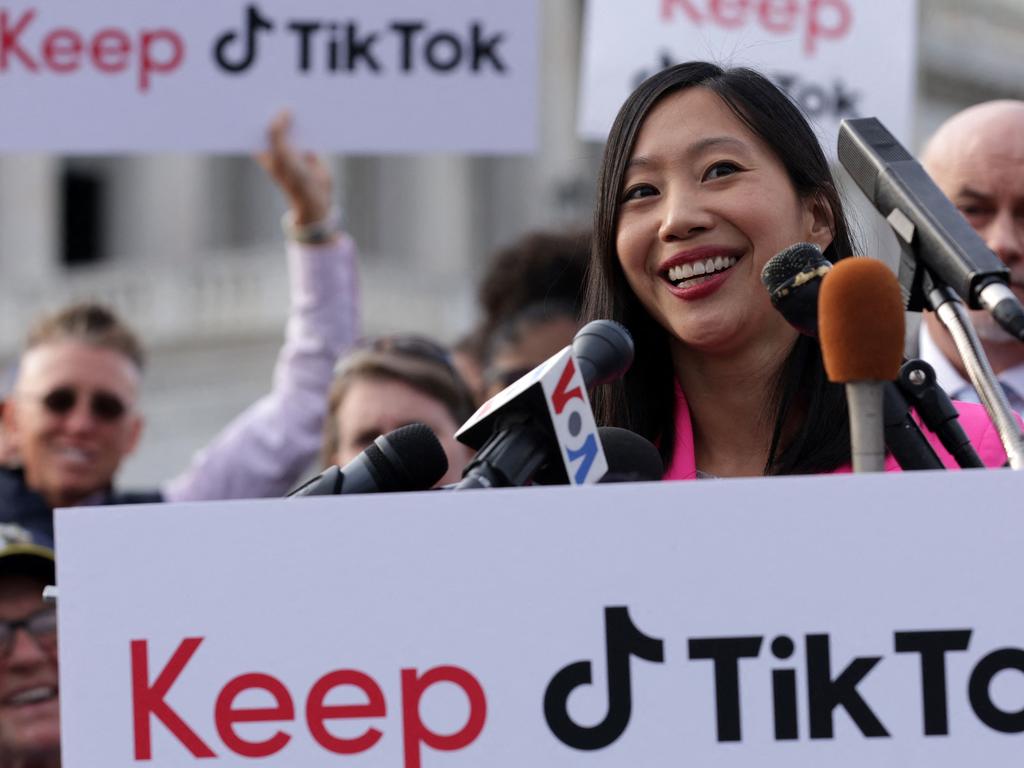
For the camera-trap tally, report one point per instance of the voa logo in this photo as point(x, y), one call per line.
point(575, 427)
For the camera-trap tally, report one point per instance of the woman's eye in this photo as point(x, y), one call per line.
point(638, 191)
point(718, 170)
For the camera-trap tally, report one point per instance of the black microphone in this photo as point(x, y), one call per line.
point(929, 226)
point(918, 382)
point(902, 435)
point(632, 458)
point(604, 351)
point(409, 458)
point(793, 279)
point(542, 424)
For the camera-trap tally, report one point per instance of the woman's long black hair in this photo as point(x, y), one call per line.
point(644, 401)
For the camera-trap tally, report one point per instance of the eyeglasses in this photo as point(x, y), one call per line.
point(103, 405)
point(41, 627)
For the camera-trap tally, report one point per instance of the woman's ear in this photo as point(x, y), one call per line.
point(820, 221)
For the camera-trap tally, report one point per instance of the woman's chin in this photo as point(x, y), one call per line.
point(708, 340)
point(727, 339)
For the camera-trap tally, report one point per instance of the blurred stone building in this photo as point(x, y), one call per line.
point(189, 247)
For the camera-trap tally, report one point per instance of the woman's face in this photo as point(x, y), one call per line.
point(703, 205)
point(375, 405)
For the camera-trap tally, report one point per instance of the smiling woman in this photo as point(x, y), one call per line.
point(707, 174)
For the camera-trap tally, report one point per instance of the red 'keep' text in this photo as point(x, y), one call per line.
point(816, 19)
point(110, 51)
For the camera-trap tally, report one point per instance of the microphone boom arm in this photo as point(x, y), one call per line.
point(951, 311)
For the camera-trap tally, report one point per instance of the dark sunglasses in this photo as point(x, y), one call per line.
point(103, 405)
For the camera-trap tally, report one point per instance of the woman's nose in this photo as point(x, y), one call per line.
point(685, 215)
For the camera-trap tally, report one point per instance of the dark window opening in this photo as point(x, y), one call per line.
point(82, 239)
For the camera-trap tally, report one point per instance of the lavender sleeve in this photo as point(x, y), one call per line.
point(262, 451)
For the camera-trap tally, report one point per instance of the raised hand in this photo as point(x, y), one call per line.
point(302, 176)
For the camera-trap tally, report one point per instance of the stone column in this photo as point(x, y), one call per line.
point(29, 219)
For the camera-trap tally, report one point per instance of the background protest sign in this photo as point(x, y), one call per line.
point(727, 623)
point(361, 76)
point(836, 58)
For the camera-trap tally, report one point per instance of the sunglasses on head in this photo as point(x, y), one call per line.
point(411, 345)
point(103, 405)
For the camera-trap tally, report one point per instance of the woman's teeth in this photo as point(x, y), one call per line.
point(694, 269)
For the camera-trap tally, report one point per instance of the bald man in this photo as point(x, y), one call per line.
point(977, 158)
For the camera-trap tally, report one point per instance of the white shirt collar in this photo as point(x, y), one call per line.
point(949, 378)
point(1014, 378)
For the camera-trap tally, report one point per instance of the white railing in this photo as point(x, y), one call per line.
point(233, 294)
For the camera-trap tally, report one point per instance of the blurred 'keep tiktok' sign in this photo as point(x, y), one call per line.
point(836, 58)
point(184, 75)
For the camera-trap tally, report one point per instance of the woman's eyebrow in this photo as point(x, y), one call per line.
point(639, 161)
point(698, 147)
point(715, 142)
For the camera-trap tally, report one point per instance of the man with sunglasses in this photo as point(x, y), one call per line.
point(29, 718)
point(73, 415)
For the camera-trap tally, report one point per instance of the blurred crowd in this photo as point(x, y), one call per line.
point(71, 411)
point(71, 415)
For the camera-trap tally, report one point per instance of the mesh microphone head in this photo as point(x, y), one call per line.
point(783, 269)
point(409, 458)
point(793, 277)
point(631, 457)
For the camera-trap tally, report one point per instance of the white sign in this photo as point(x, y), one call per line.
point(361, 76)
point(840, 621)
point(836, 58)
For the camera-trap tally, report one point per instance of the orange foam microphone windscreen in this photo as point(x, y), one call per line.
point(860, 321)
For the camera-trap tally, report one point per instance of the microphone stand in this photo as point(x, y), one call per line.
point(922, 288)
point(919, 385)
point(903, 437)
point(951, 311)
point(511, 456)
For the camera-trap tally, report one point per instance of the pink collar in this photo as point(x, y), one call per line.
point(973, 419)
point(684, 462)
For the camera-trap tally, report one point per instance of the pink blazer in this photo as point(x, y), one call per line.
point(973, 419)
